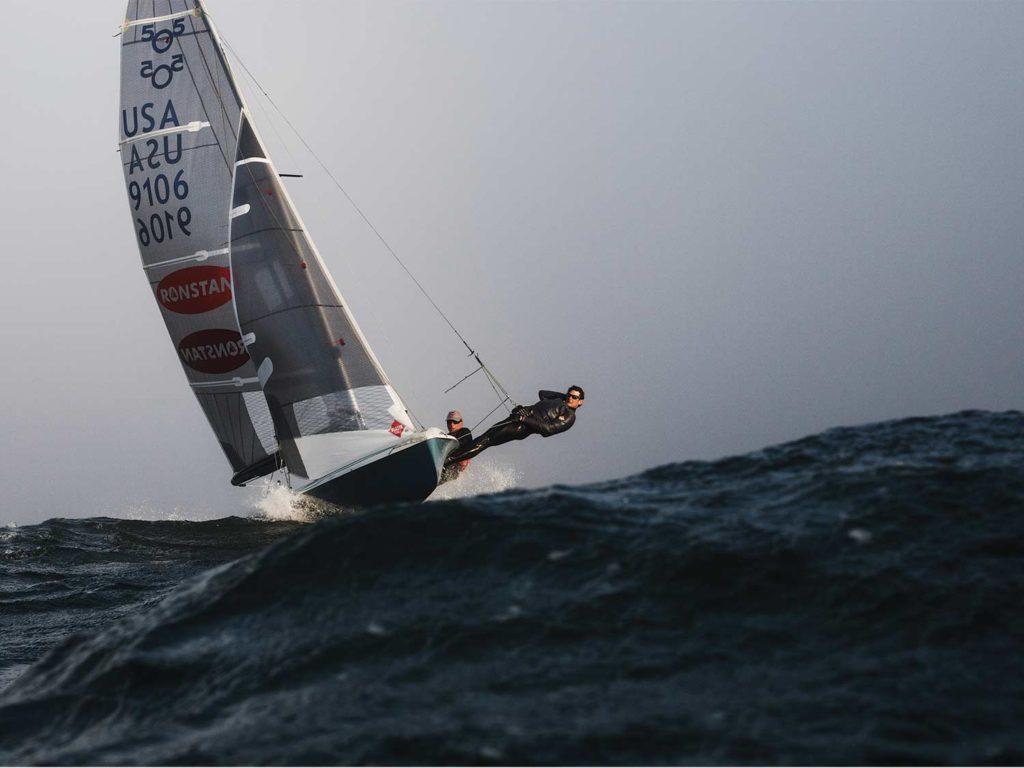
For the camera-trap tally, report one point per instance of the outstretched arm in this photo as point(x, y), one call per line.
point(547, 394)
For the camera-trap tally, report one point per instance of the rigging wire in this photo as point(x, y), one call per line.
point(468, 375)
point(273, 126)
point(485, 418)
point(499, 389)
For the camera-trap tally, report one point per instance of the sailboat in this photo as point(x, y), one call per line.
point(285, 376)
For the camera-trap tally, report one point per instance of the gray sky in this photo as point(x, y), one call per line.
point(734, 224)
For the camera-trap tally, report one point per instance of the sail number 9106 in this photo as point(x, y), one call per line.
point(161, 226)
point(158, 190)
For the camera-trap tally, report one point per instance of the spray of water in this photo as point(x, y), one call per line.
point(156, 513)
point(482, 476)
point(278, 502)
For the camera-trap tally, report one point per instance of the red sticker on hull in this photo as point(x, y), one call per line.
point(194, 290)
point(396, 428)
point(215, 350)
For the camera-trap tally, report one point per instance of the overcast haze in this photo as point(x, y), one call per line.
point(734, 224)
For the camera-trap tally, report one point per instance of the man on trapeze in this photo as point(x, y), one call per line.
point(554, 413)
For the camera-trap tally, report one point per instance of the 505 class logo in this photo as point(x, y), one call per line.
point(195, 290)
point(161, 39)
point(161, 75)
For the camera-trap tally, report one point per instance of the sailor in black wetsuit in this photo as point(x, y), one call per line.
point(554, 413)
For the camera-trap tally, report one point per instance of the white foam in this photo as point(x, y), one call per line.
point(482, 476)
point(860, 535)
point(278, 502)
point(153, 513)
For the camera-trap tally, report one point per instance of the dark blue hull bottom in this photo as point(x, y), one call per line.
point(407, 475)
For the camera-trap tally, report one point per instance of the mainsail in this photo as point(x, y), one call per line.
point(281, 369)
point(179, 118)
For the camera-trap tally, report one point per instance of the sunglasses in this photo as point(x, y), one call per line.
point(574, 397)
point(453, 421)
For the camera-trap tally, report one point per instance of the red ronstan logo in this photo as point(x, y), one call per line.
point(397, 428)
point(214, 350)
point(194, 290)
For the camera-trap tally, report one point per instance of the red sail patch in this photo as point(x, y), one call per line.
point(214, 350)
point(193, 290)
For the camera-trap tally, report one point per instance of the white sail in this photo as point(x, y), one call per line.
point(278, 363)
point(179, 117)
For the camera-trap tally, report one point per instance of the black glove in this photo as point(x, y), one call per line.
point(520, 412)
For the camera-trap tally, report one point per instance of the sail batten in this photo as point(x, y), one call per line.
point(128, 24)
point(235, 382)
point(193, 127)
point(197, 256)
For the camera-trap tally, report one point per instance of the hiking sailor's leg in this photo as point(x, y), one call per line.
point(502, 432)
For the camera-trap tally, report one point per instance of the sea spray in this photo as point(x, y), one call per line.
point(276, 502)
point(482, 477)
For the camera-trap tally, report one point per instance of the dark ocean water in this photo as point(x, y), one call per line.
point(851, 598)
